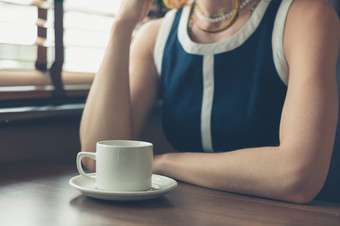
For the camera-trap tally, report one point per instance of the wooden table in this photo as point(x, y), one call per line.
point(39, 194)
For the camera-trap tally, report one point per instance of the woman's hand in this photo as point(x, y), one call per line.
point(132, 12)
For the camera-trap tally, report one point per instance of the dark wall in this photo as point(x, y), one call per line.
point(57, 139)
point(53, 140)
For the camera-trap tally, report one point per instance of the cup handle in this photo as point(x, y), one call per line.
point(79, 166)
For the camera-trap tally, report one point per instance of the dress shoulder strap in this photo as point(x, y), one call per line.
point(280, 60)
point(162, 38)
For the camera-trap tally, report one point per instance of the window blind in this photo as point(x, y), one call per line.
point(52, 48)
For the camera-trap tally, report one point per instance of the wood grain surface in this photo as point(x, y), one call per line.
point(39, 194)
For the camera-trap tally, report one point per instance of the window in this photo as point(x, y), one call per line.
point(51, 49)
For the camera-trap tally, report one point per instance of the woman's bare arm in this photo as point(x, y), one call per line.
point(125, 87)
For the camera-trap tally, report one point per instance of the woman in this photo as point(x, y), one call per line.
point(248, 87)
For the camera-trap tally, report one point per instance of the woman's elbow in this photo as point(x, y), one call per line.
point(88, 163)
point(301, 196)
point(303, 186)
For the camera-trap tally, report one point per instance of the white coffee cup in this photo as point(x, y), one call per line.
point(121, 165)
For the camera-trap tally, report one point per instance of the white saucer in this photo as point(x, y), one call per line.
point(160, 186)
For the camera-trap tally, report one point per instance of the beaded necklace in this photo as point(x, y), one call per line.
point(219, 17)
point(230, 16)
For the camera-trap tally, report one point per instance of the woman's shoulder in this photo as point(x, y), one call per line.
point(309, 20)
point(311, 38)
point(313, 11)
point(150, 28)
point(145, 36)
